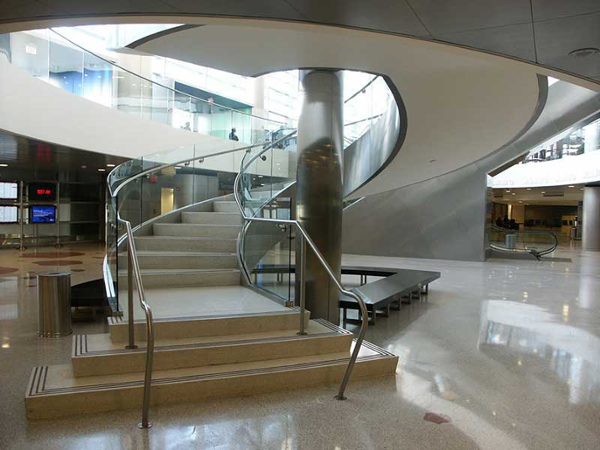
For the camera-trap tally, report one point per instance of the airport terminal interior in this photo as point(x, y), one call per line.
point(299, 225)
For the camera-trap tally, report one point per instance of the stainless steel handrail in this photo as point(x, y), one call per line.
point(307, 239)
point(362, 88)
point(133, 271)
point(266, 146)
point(112, 63)
point(532, 251)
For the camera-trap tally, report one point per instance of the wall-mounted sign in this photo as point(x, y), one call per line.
point(42, 192)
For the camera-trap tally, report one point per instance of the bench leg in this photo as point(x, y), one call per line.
point(345, 315)
point(386, 310)
point(398, 304)
point(373, 316)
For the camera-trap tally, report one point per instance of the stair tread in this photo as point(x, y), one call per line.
point(226, 213)
point(60, 379)
point(176, 271)
point(180, 224)
point(95, 344)
point(177, 253)
point(186, 238)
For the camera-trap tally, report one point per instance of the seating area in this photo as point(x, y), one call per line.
point(399, 286)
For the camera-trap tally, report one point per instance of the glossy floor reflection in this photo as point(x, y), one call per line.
point(508, 350)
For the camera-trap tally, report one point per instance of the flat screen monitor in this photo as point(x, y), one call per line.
point(9, 191)
point(42, 192)
point(42, 214)
point(9, 214)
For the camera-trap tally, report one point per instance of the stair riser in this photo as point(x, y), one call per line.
point(198, 357)
point(210, 327)
point(195, 230)
point(183, 262)
point(182, 245)
point(228, 278)
point(225, 207)
point(46, 407)
point(212, 218)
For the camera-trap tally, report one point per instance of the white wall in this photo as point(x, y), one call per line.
point(35, 109)
point(569, 170)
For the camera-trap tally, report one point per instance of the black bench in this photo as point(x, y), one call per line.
point(381, 294)
point(378, 295)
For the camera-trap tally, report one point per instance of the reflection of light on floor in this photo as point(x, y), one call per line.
point(529, 330)
point(9, 312)
point(417, 391)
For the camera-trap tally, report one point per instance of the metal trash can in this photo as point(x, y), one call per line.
point(511, 241)
point(54, 300)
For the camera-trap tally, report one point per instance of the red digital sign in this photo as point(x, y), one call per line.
point(45, 192)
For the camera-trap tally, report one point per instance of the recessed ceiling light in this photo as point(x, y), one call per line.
point(543, 192)
point(571, 186)
point(581, 189)
point(528, 189)
point(584, 52)
point(3, 165)
point(110, 165)
point(520, 201)
point(83, 166)
point(514, 193)
point(101, 170)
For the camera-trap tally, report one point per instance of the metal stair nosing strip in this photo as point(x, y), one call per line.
point(37, 384)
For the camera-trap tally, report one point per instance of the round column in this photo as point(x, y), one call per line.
point(591, 218)
point(319, 192)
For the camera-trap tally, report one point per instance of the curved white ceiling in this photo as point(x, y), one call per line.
point(461, 105)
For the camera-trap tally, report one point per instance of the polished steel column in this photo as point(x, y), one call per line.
point(319, 186)
point(591, 218)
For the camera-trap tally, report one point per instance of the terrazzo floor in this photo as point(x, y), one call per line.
point(506, 352)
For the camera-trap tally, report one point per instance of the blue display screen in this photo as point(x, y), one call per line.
point(42, 214)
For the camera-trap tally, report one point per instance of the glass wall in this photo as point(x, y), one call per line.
point(573, 142)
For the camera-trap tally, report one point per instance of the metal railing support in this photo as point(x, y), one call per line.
point(131, 330)
point(302, 285)
point(134, 269)
point(307, 241)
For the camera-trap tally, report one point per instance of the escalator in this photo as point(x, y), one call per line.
point(533, 242)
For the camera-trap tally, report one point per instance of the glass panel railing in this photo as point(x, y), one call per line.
point(268, 170)
point(267, 249)
point(266, 191)
point(364, 105)
point(535, 242)
point(52, 57)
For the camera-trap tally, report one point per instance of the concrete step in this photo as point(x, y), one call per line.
point(96, 354)
point(54, 391)
point(212, 218)
point(182, 260)
point(196, 230)
point(207, 325)
point(184, 277)
point(185, 244)
point(226, 207)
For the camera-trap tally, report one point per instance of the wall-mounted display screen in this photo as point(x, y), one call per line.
point(9, 214)
point(42, 192)
point(42, 214)
point(9, 191)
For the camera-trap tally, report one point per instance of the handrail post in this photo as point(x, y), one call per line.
point(357, 345)
point(145, 423)
point(131, 344)
point(301, 263)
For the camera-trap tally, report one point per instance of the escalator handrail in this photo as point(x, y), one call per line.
point(536, 253)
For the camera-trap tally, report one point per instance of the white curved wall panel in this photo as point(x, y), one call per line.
point(461, 105)
point(36, 109)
